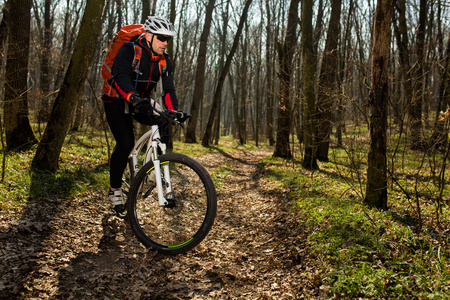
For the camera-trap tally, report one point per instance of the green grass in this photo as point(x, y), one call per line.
point(362, 252)
point(82, 166)
point(219, 174)
point(227, 144)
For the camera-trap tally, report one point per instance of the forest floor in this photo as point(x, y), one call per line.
point(77, 249)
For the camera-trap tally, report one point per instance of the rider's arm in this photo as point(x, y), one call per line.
point(170, 97)
point(122, 72)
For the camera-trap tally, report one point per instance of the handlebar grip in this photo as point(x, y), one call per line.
point(172, 116)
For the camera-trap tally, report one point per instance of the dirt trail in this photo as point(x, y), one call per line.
point(78, 250)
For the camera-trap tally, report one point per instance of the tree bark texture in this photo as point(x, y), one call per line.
point(223, 44)
point(199, 76)
point(269, 93)
point(18, 131)
point(401, 35)
point(145, 10)
point(376, 189)
point(243, 83)
point(45, 60)
point(170, 49)
point(415, 111)
point(309, 110)
point(286, 53)
point(327, 83)
point(49, 149)
point(46, 51)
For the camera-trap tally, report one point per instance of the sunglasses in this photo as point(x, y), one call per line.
point(163, 38)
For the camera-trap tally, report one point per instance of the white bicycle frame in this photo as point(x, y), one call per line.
point(153, 140)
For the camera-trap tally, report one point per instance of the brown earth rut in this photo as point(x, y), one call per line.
point(79, 250)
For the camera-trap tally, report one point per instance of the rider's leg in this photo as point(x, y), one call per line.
point(121, 125)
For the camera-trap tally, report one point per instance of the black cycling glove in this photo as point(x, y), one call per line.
point(183, 116)
point(141, 105)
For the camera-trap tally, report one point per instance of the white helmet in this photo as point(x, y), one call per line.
point(159, 25)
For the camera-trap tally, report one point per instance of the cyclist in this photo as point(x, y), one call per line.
point(133, 86)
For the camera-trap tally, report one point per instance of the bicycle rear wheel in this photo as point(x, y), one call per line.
point(187, 219)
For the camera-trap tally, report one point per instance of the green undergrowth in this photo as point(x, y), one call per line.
point(227, 145)
point(363, 252)
point(82, 167)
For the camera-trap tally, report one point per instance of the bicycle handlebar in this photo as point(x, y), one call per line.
point(174, 117)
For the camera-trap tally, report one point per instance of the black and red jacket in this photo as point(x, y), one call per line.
point(125, 75)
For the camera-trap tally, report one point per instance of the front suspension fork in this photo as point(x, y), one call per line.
point(161, 181)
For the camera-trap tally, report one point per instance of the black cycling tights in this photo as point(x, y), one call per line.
point(122, 128)
point(121, 125)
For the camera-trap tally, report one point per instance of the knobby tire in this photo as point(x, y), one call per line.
point(193, 206)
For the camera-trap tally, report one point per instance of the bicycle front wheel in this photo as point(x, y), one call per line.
point(190, 214)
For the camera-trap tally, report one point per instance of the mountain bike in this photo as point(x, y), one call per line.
point(171, 201)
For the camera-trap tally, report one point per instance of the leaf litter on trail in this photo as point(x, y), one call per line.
point(76, 248)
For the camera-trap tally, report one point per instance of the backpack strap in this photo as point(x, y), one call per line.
point(137, 52)
point(162, 70)
point(162, 65)
point(136, 61)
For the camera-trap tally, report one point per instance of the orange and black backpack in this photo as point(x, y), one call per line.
point(127, 33)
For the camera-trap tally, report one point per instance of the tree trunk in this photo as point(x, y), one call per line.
point(441, 54)
point(199, 76)
point(376, 189)
point(241, 122)
point(119, 13)
point(49, 148)
point(154, 7)
point(46, 51)
point(145, 10)
point(172, 20)
point(223, 75)
point(45, 63)
point(309, 121)
point(71, 19)
point(223, 44)
point(415, 110)
point(18, 130)
point(286, 53)
point(298, 98)
point(440, 136)
point(3, 26)
point(318, 32)
point(343, 68)
point(258, 100)
point(327, 81)
point(269, 93)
